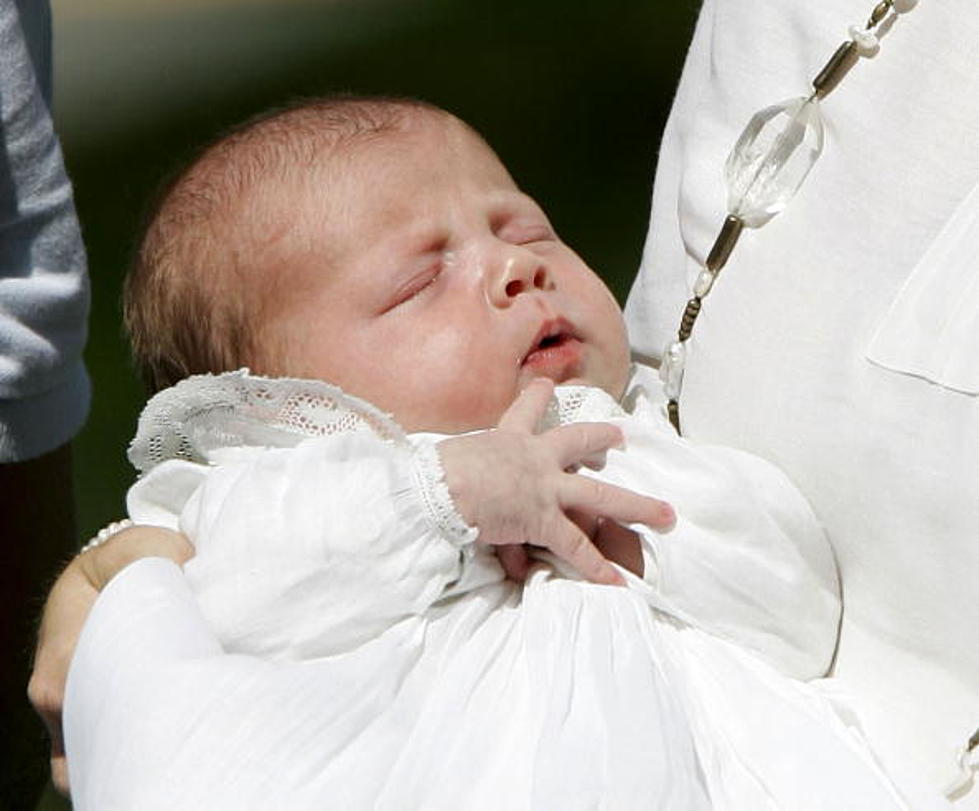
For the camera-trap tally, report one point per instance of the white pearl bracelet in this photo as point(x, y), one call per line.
point(105, 533)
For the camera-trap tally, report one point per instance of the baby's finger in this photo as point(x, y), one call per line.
point(526, 412)
point(570, 544)
point(513, 558)
point(583, 443)
point(619, 544)
point(608, 501)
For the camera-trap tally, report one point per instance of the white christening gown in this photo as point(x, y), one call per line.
point(340, 641)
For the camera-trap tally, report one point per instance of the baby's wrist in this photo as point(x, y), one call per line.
point(435, 489)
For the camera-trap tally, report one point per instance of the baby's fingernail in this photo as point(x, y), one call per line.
point(620, 441)
point(667, 514)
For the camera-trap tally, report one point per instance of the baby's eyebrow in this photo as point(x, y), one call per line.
point(515, 196)
point(423, 242)
point(515, 202)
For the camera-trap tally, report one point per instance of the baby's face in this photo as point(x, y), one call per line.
point(433, 287)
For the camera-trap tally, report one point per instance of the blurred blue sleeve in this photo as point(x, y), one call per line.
point(44, 296)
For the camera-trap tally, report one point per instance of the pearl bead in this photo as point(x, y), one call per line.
point(671, 368)
point(867, 43)
point(705, 281)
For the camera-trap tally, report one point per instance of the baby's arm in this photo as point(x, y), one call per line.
point(310, 550)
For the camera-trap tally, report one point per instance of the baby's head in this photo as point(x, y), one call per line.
point(376, 244)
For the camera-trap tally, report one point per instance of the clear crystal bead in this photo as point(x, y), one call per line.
point(671, 368)
point(772, 158)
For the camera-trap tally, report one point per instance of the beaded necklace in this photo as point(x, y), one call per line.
point(766, 168)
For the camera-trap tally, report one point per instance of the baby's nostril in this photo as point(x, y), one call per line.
point(540, 279)
point(514, 288)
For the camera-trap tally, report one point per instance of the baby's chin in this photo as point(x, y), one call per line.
point(613, 382)
point(615, 391)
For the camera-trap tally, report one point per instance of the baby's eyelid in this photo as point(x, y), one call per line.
point(414, 286)
point(522, 234)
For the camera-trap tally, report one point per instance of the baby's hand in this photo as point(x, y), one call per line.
point(515, 486)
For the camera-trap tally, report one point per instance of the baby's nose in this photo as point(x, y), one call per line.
point(519, 274)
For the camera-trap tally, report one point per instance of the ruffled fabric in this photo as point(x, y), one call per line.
point(383, 661)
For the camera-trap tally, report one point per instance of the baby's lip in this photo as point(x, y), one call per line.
point(552, 332)
point(555, 353)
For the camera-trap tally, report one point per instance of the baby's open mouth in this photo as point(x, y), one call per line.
point(556, 351)
point(552, 340)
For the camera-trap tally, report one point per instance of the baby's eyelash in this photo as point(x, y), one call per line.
point(527, 235)
point(414, 287)
point(431, 280)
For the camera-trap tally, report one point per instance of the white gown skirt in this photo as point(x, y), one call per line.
point(576, 696)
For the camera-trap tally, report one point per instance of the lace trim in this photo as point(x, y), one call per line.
point(578, 404)
point(429, 479)
point(206, 412)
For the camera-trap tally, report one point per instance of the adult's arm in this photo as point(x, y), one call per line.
point(67, 608)
point(44, 390)
point(147, 646)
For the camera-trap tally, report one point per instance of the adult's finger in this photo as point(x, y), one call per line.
point(583, 443)
point(47, 699)
point(609, 501)
point(129, 545)
point(525, 413)
point(568, 542)
point(64, 614)
point(59, 771)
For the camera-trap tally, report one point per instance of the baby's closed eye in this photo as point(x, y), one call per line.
point(413, 286)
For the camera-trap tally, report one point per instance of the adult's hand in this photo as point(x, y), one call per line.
point(65, 612)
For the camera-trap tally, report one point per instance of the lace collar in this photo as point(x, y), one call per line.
point(205, 412)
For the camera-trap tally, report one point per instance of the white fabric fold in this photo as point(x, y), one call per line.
point(932, 327)
point(397, 673)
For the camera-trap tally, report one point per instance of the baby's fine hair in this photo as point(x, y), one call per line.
point(193, 297)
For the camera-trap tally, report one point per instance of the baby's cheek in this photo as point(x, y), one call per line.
point(469, 381)
point(467, 402)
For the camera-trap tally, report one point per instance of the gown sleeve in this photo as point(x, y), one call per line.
point(747, 559)
point(310, 551)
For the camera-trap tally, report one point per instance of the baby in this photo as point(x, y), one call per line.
point(344, 529)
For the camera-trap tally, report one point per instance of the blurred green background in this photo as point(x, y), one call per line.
point(572, 95)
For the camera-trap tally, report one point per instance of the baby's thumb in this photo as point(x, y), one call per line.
point(527, 411)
